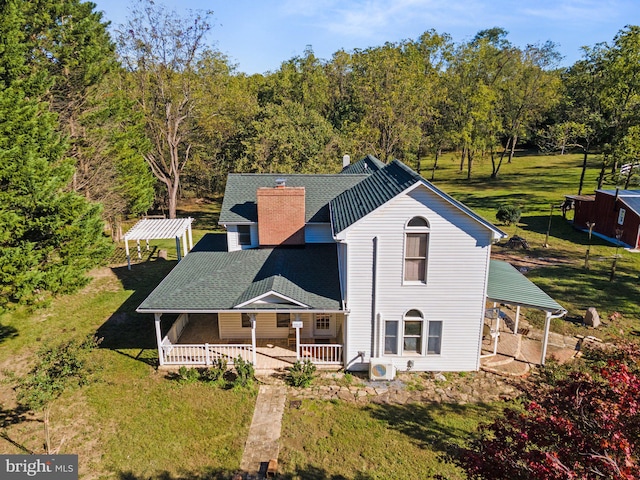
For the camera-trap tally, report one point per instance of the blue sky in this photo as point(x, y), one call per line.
point(259, 35)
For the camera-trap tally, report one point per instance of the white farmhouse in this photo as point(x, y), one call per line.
point(373, 269)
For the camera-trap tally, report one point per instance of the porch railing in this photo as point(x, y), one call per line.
point(204, 354)
point(321, 354)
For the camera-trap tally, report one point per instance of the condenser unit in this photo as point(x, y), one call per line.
point(381, 371)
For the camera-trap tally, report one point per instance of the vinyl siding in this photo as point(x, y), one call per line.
point(458, 253)
point(233, 243)
point(318, 233)
point(230, 325)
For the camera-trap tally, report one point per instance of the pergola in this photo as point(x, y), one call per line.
point(160, 228)
point(507, 285)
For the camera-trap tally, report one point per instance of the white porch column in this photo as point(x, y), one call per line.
point(517, 320)
point(126, 249)
point(496, 334)
point(297, 338)
point(545, 338)
point(184, 244)
point(159, 338)
point(252, 316)
point(190, 235)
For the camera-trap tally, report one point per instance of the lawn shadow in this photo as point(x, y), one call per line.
point(431, 425)
point(308, 472)
point(7, 332)
point(15, 416)
point(126, 329)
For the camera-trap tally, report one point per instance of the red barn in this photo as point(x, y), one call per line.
point(613, 212)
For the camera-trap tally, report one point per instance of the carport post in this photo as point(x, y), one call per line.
point(545, 339)
point(515, 328)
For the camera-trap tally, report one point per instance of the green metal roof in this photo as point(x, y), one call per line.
point(380, 187)
point(239, 204)
point(367, 165)
point(507, 285)
point(371, 193)
point(208, 280)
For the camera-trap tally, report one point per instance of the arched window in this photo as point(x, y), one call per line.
point(416, 247)
point(413, 328)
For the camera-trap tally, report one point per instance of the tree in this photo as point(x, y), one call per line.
point(49, 236)
point(290, 138)
point(160, 51)
point(57, 369)
point(585, 425)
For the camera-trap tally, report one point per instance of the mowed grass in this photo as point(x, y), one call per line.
point(325, 440)
point(536, 182)
point(131, 421)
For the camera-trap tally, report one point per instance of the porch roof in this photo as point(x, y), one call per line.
point(207, 280)
point(507, 285)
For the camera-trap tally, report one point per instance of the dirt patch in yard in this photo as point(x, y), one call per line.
point(526, 263)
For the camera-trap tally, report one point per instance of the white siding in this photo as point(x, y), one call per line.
point(233, 243)
point(318, 233)
point(459, 249)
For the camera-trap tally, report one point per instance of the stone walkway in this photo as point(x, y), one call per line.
point(264, 434)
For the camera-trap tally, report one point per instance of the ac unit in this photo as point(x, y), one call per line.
point(381, 371)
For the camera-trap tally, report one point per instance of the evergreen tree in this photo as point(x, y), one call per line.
point(49, 237)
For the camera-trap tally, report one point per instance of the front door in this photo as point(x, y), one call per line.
point(324, 325)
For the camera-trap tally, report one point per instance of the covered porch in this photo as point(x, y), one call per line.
point(507, 286)
point(269, 340)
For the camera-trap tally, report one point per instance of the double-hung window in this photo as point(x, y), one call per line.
point(244, 234)
point(416, 247)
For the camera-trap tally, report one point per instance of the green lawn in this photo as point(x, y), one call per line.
point(131, 422)
point(329, 440)
point(535, 183)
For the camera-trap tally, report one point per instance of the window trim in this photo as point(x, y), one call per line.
point(413, 315)
point(244, 234)
point(396, 336)
point(413, 230)
point(621, 214)
point(278, 321)
point(429, 336)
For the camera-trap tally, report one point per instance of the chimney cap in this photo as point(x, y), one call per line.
point(281, 182)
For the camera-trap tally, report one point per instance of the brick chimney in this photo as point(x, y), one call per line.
point(281, 215)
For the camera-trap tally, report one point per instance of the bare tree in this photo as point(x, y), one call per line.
point(160, 51)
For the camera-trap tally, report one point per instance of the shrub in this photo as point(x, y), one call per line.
point(188, 375)
point(215, 374)
point(509, 214)
point(244, 372)
point(301, 374)
point(57, 368)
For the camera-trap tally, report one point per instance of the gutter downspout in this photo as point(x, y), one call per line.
point(375, 334)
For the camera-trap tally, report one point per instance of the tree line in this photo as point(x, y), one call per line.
point(101, 124)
